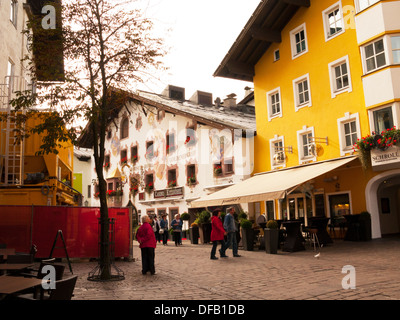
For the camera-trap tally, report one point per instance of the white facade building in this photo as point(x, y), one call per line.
point(163, 151)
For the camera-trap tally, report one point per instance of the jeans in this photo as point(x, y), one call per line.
point(231, 240)
point(214, 248)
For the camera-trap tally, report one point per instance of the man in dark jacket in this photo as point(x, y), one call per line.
point(230, 228)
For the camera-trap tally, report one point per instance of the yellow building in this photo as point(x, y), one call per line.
point(26, 178)
point(326, 74)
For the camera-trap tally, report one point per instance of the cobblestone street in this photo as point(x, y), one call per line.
point(187, 273)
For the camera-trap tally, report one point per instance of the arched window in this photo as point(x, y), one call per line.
point(124, 128)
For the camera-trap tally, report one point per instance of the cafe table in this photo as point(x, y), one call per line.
point(10, 284)
point(6, 252)
point(14, 267)
point(321, 224)
point(294, 238)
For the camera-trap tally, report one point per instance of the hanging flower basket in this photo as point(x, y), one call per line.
point(217, 170)
point(382, 141)
point(114, 193)
point(134, 158)
point(106, 166)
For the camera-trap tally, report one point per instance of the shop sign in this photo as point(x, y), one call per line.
point(385, 157)
point(171, 192)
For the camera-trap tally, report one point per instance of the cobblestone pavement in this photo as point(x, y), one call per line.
point(187, 273)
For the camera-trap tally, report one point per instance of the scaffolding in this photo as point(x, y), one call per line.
point(11, 149)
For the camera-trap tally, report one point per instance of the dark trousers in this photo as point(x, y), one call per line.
point(177, 237)
point(165, 236)
point(214, 248)
point(148, 260)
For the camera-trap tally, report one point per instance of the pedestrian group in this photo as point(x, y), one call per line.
point(152, 231)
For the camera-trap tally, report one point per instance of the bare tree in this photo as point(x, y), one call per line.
point(107, 45)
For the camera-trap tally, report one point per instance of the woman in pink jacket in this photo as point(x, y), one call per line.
point(217, 234)
point(147, 244)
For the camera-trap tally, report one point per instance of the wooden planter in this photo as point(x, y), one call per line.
point(194, 235)
point(205, 233)
point(248, 236)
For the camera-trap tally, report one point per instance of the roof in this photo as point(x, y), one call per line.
point(239, 117)
point(263, 28)
point(83, 154)
point(233, 118)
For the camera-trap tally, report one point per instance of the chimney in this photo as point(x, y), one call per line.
point(247, 91)
point(174, 92)
point(203, 98)
point(230, 101)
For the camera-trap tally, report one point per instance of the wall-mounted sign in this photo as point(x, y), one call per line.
point(171, 192)
point(388, 158)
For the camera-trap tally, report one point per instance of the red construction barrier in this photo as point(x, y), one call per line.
point(22, 226)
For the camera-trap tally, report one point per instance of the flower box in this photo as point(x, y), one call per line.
point(171, 183)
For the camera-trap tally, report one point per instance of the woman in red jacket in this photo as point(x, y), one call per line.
point(217, 234)
point(147, 243)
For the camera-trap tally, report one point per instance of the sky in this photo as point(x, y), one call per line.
point(199, 34)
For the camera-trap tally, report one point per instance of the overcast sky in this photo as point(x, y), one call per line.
point(201, 32)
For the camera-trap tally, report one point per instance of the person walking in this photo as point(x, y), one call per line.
point(156, 229)
point(176, 225)
point(147, 244)
point(217, 235)
point(231, 228)
point(164, 229)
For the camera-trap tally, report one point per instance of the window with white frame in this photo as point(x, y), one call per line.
point(14, 12)
point(298, 40)
point(339, 73)
point(374, 55)
point(274, 103)
point(277, 55)
point(382, 119)
point(363, 4)
point(301, 89)
point(395, 43)
point(277, 153)
point(349, 132)
point(10, 73)
point(333, 21)
point(306, 145)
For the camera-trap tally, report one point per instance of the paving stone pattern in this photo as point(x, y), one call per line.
point(187, 273)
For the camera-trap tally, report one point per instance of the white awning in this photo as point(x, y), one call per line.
point(269, 185)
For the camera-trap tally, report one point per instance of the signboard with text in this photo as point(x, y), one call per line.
point(385, 159)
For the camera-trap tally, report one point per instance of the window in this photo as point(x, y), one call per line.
point(10, 73)
point(124, 128)
point(274, 104)
point(124, 156)
point(191, 174)
point(89, 191)
point(277, 55)
point(172, 178)
point(170, 145)
point(150, 150)
point(298, 39)
point(190, 136)
point(362, 4)
point(383, 119)
point(349, 132)
point(395, 41)
point(277, 152)
point(270, 210)
point(333, 21)
point(306, 145)
point(301, 88)
point(14, 12)
point(107, 163)
point(134, 154)
point(149, 182)
point(339, 73)
point(374, 55)
point(228, 166)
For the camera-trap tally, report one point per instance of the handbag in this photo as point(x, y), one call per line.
point(161, 231)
